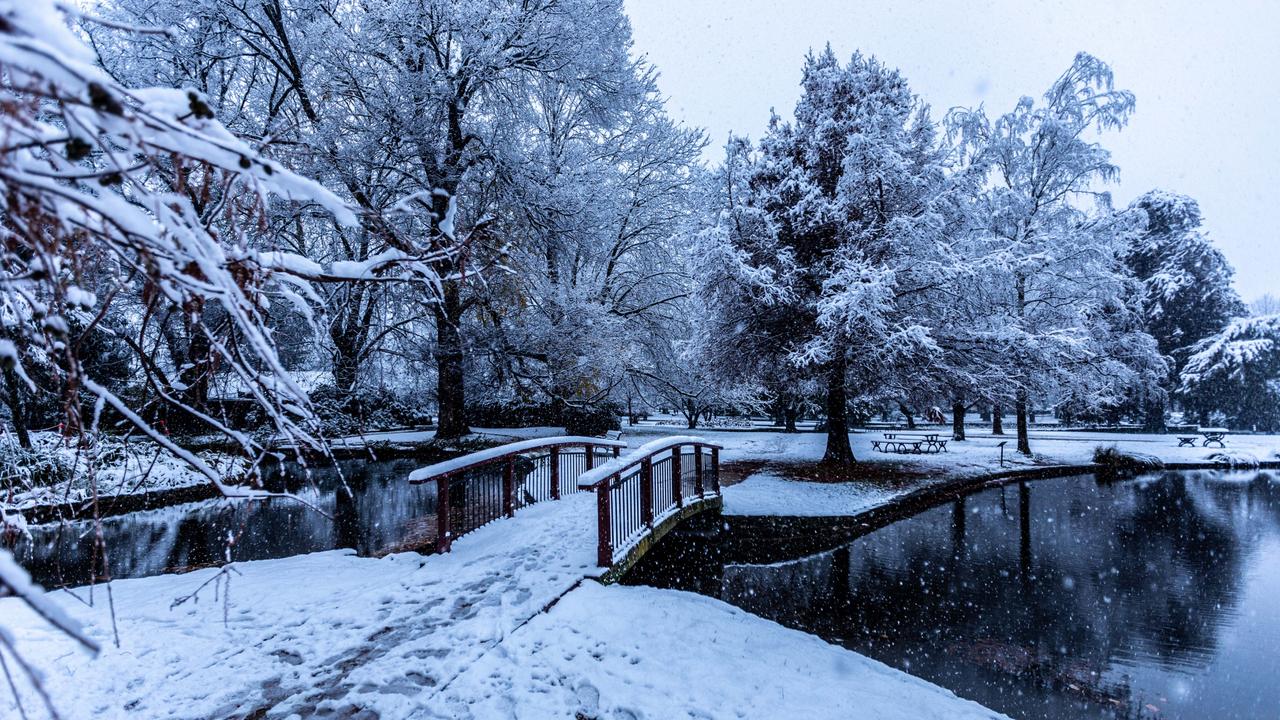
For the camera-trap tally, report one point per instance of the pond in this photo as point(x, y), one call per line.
point(383, 513)
point(1065, 598)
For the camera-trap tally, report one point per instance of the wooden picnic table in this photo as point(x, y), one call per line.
point(905, 442)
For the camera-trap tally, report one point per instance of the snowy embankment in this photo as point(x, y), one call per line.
point(139, 467)
point(768, 492)
point(463, 635)
point(57, 471)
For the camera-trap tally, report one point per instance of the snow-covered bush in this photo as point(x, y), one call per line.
point(372, 409)
point(590, 420)
point(24, 469)
point(1114, 462)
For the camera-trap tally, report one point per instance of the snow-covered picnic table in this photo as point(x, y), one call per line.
point(1214, 435)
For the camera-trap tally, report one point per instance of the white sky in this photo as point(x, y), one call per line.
point(1206, 74)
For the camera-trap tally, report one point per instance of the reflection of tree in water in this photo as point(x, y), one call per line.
point(375, 516)
point(1179, 575)
point(1095, 574)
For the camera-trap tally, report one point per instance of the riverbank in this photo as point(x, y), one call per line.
point(137, 476)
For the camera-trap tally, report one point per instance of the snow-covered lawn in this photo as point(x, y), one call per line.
point(765, 493)
point(769, 492)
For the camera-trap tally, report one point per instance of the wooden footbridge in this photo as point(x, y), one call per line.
point(640, 495)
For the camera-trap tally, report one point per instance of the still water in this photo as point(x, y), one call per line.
point(1067, 598)
point(382, 513)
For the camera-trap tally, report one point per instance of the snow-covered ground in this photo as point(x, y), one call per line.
point(769, 492)
point(636, 652)
point(765, 493)
point(461, 635)
point(507, 625)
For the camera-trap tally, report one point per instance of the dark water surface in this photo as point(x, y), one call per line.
point(383, 513)
point(1068, 598)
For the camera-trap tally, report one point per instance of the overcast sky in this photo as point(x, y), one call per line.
point(1206, 75)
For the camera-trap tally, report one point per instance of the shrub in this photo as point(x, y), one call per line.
point(363, 411)
point(590, 420)
point(22, 469)
point(1114, 462)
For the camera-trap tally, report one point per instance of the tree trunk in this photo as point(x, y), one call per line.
point(346, 369)
point(789, 414)
point(1020, 406)
point(957, 419)
point(906, 412)
point(198, 367)
point(997, 420)
point(691, 412)
point(450, 389)
point(1153, 415)
point(17, 413)
point(839, 452)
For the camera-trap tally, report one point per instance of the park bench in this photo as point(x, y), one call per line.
point(1187, 440)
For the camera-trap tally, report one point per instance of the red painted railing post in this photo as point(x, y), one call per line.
point(555, 472)
point(589, 458)
point(509, 488)
point(715, 470)
point(646, 492)
point(677, 477)
point(443, 532)
point(697, 470)
point(604, 548)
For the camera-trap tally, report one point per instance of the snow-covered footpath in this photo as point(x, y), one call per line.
point(507, 625)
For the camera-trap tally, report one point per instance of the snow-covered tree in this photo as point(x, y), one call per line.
point(1055, 261)
point(1268, 304)
point(829, 238)
point(596, 276)
point(1187, 292)
point(112, 191)
point(420, 112)
point(1237, 371)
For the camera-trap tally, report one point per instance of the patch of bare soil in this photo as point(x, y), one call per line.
point(732, 473)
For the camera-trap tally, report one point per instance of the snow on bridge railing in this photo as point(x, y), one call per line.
point(637, 492)
point(476, 489)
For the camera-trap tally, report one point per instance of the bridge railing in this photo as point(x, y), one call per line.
point(474, 490)
point(637, 492)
